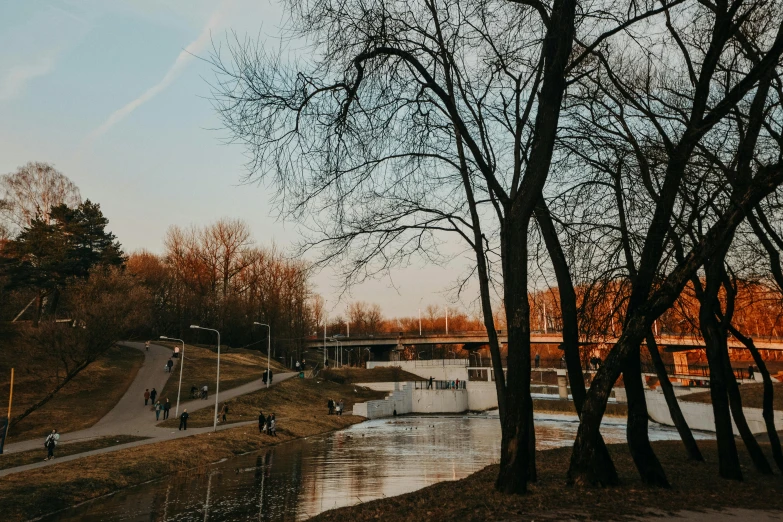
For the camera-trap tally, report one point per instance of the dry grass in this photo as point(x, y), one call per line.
point(237, 367)
point(696, 486)
point(286, 400)
point(380, 374)
point(563, 406)
point(12, 460)
point(80, 404)
point(752, 395)
point(301, 411)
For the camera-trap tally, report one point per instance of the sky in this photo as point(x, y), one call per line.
point(113, 94)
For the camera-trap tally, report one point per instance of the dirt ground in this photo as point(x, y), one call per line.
point(380, 374)
point(695, 487)
point(79, 405)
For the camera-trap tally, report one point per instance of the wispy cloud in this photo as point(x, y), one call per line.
point(14, 81)
point(184, 57)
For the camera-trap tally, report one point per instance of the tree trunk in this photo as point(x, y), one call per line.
point(517, 462)
point(735, 403)
point(38, 309)
point(768, 411)
point(644, 457)
point(568, 310)
point(686, 435)
point(728, 460)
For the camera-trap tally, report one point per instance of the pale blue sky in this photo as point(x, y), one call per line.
point(103, 90)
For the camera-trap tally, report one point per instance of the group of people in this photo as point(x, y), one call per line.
point(267, 424)
point(335, 407)
point(201, 393)
point(300, 368)
point(150, 397)
point(267, 375)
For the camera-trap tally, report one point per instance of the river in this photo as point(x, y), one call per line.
point(299, 479)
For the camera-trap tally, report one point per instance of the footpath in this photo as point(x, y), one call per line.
point(131, 417)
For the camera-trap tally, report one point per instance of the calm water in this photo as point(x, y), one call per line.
point(299, 479)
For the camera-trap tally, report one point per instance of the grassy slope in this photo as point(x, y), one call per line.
point(696, 486)
point(12, 460)
point(380, 374)
point(286, 401)
point(237, 367)
point(752, 395)
point(301, 411)
point(80, 404)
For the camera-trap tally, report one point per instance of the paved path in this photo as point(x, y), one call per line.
point(131, 417)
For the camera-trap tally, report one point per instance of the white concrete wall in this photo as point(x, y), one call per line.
point(482, 396)
point(440, 401)
point(699, 415)
point(449, 371)
point(400, 399)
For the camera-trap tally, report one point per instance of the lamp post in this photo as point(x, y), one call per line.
point(338, 347)
point(181, 364)
point(268, 347)
point(369, 354)
point(217, 380)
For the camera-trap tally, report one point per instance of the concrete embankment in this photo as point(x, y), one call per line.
point(699, 415)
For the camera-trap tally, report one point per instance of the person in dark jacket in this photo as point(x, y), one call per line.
point(269, 425)
point(166, 408)
point(153, 395)
point(146, 396)
point(183, 420)
point(225, 412)
point(261, 422)
point(169, 364)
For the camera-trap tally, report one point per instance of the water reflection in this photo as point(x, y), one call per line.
point(299, 479)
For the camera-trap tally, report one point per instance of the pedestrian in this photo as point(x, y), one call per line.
point(176, 352)
point(330, 405)
point(153, 395)
point(50, 443)
point(261, 422)
point(205, 392)
point(147, 346)
point(298, 366)
point(158, 407)
point(269, 377)
point(263, 378)
point(169, 364)
point(273, 426)
point(458, 384)
point(193, 391)
point(750, 372)
point(538, 360)
point(342, 406)
point(146, 396)
point(429, 385)
point(225, 412)
point(183, 420)
point(269, 425)
point(166, 408)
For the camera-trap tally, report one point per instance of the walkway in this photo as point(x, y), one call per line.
point(131, 417)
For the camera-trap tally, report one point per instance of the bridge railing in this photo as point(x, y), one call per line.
point(440, 385)
point(429, 363)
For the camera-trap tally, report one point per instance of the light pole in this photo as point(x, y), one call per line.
point(447, 320)
point(268, 346)
point(217, 381)
point(338, 347)
point(181, 364)
point(369, 354)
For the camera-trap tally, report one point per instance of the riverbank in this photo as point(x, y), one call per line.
point(695, 486)
point(37, 492)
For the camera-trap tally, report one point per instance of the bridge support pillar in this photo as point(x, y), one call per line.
point(562, 384)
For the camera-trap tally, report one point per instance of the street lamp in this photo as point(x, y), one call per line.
point(217, 381)
point(369, 354)
point(268, 346)
point(181, 364)
point(337, 347)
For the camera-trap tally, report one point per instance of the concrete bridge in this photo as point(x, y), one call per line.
point(670, 342)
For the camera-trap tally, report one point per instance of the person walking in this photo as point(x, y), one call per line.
point(146, 396)
point(205, 392)
point(225, 412)
point(50, 443)
point(158, 407)
point(341, 406)
point(538, 360)
point(261, 422)
point(330, 405)
point(298, 367)
point(166, 408)
point(273, 426)
point(183, 420)
point(263, 377)
point(176, 352)
point(269, 425)
point(429, 384)
point(169, 364)
point(269, 377)
point(153, 395)
point(147, 346)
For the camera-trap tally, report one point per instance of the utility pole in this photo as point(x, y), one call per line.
point(447, 320)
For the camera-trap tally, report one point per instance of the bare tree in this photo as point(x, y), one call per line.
point(31, 192)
